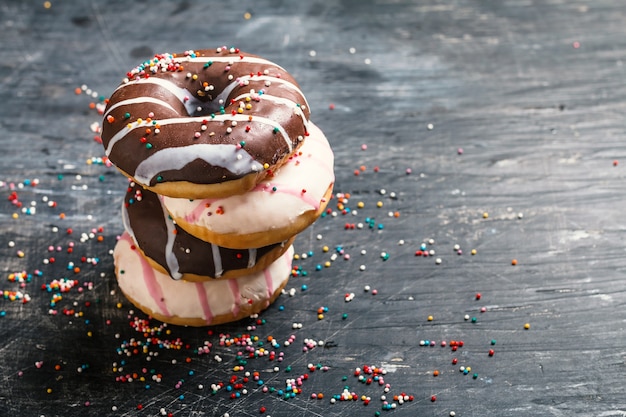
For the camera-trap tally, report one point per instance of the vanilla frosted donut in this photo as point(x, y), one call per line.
point(207, 123)
point(173, 251)
point(196, 303)
point(279, 207)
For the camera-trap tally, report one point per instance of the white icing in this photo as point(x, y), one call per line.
point(189, 300)
point(251, 257)
point(183, 95)
point(281, 81)
point(228, 59)
point(217, 261)
point(262, 209)
point(279, 100)
point(139, 100)
point(230, 157)
point(170, 257)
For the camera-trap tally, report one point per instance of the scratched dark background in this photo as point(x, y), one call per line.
point(493, 125)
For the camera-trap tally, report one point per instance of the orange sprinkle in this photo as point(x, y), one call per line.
point(514, 262)
point(92, 105)
point(362, 167)
point(77, 91)
point(62, 216)
point(435, 373)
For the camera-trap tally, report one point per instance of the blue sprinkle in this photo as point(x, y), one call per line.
point(304, 287)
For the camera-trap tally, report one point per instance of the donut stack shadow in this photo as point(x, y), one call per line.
point(208, 261)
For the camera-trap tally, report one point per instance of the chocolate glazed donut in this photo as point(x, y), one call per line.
point(202, 124)
point(173, 251)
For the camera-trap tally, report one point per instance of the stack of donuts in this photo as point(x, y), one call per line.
point(225, 169)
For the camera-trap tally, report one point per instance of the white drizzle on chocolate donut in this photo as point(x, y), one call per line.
point(179, 253)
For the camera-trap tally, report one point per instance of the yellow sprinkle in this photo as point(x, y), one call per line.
point(266, 165)
point(327, 264)
point(320, 316)
point(248, 106)
point(195, 76)
point(47, 4)
point(89, 162)
point(527, 326)
point(360, 204)
point(139, 120)
point(296, 256)
point(89, 334)
point(430, 318)
point(142, 379)
point(247, 15)
point(485, 215)
point(473, 252)
point(239, 110)
point(49, 390)
point(168, 331)
point(379, 204)
point(118, 305)
point(325, 249)
point(15, 215)
point(248, 99)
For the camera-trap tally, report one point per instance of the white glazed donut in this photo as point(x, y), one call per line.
point(276, 209)
point(196, 303)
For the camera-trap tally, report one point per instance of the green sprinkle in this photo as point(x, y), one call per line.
point(126, 115)
point(276, 130)
point(159, 178)
point(148, 146)
point(242, 143)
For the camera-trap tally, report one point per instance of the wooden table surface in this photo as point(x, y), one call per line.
point(497, 126)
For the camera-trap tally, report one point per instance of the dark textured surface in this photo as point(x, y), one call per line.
point(532, 92)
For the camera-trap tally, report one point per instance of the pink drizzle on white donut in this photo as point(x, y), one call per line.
point(204, 302)
point(158, 293)
point(149, 278)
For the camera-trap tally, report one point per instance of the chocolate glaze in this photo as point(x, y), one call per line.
point(148, 223)
point(165, 102)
